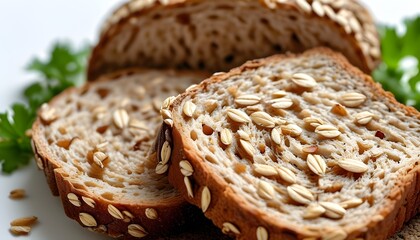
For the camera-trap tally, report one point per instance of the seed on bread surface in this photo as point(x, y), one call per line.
point(165, 153)
point(226, 136)
point(121, 118)
point(89, 201)
point(229, 227)
point(247, 100)
point(304, 80)
point(300, 194)
point(74, 199)
point(113, 211)
point(353, 165)
point(189, 108)
point(205, 199)
point(186, 168)
point(188, 186)
point(262, 233)
point(151, 213)
point(316, 164)
point(87, 220)
point(327, 131)
point(333, 210)
point(352, 99)
point(238, 115)
point(136, 230)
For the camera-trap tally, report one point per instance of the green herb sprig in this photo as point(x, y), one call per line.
point(397, 51)
point(64, 68)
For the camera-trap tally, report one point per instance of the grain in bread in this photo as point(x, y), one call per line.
point(217, 35)
point(337, 177)
point(94, 145)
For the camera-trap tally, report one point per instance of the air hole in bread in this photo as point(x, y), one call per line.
point(79, 186)
point(102, 129)
point(108, 196)
point(102, 92)
point(183, 18)
point(207, 130)
point(193, 135)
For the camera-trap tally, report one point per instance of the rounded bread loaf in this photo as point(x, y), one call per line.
point(216, 35)
point(297, 147)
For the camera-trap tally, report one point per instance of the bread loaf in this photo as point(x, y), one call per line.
point(94, 144)
point(297, 147)
point(217, 35)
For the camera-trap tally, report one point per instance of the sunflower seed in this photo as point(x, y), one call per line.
point(279, 94)
point(161, 168)
point(243, 135)
point(287, 175)
point(339, 110)
point(300, 194)
point(17, 194)
point(314, 122)
point(351, 203)
point(281, 103)
point(205, 199)
point(238, 116)
point(354, 25)
point(304, 6)
point(292, 130)
point(89, 201)
point(335, 235)
point(186, 168)
point(167, 102)
point(189, 108)
point(352, 99)
point(317, 8)
point(317, 164)
point(151, 213)
point(121, 118)
point(329, 12)
point(134, 123)
point(87, 220)
point(333, 210)
point(265, 170)
point(275, 136)
point(48, 114)
point(20, 230)
point(265, 190)
point(98, 158)
point(101, 146)
point(314, 210)
point(73, 199)
point(165, 153)
point(136, 230)
point(191, 87)
point(166, 114)
point(189, 187)
point(226, 136)
point(353, 165)
point(169, 122)
point(363, 118)
point(263, 119)
point(247, 146)
point(310, 149)
point(304, 80)
point(247, 100)
point(25, 221)
point(327, 131)
point(262, 233)
point(229, 227)
point(113, 211)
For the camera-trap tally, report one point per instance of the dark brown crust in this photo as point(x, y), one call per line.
point(401, 204)
point(173, 213)
point(113, 26)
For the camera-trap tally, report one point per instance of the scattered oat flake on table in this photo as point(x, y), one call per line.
point(17, 194)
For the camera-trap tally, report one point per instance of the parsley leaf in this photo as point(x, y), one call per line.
point(396, 74)
point(64, 68)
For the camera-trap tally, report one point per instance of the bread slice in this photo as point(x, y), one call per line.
point(297, 147)
point(94, 144)
point(217, 35)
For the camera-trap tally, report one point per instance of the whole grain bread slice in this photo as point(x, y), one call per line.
point(94, 145)
point(297, 147)
point(217, 35)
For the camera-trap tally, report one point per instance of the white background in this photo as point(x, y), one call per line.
point(27, 29)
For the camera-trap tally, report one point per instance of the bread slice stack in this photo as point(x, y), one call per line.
point(288, 147)
point(297, 147)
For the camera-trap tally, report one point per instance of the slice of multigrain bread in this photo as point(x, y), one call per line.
point(297, 147)
point(93, 144)
point(217, 35)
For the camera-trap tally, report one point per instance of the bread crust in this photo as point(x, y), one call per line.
point(400, 205)
point(173, 214)
point(136, 9)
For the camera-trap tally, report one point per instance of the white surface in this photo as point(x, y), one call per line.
point(27, 29)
